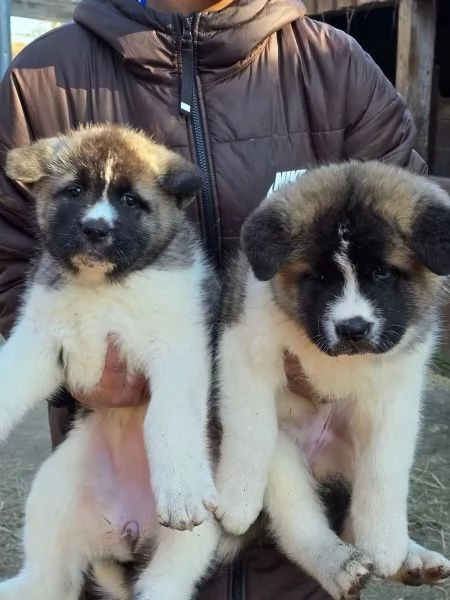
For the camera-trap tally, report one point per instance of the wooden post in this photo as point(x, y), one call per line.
point(415, 60)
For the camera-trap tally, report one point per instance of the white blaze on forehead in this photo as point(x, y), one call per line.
point(102, 209)
point(108, 172)
point(351, 302)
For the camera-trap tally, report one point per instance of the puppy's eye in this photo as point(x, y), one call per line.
point(311, 276)
point(74, 191)
point(380, 273)
point(129, 199)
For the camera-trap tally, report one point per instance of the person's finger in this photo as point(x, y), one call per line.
point(90, 400)
point(113, 361)
point(135, 392)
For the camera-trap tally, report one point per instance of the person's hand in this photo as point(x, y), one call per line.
point(115, 389)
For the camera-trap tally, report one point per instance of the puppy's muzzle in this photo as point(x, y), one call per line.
point(96, 231)
point(353, 330)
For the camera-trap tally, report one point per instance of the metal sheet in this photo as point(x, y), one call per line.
point(5, 35)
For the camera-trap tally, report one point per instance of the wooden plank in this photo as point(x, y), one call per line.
point(415, 60)
point(316, 7)
point(5, 36)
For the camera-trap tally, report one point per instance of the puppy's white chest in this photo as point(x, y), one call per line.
point(81, 319)
point(84, 325)
point(84, 343)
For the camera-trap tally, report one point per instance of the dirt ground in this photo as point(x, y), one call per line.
point(430, 493)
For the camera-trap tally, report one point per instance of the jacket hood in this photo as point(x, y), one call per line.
point(151, 40)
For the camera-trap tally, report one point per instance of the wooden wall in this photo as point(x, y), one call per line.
point(321, 6)
point(441, 139)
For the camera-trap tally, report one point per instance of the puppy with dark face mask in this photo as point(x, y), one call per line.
point(344, 269)
point(118, 257)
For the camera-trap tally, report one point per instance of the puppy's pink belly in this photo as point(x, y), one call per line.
point(118, 478)
point(325, 443)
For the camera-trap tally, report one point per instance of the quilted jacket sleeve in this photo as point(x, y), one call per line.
point(378, 123)
point(17, 239)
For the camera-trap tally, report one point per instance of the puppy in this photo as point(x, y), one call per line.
point(118, 258)
point(343, 269)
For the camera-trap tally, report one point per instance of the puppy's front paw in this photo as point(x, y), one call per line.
point(345, 572)
point(388, 552)
point(185, 500)
point(239, 509)
point(423, 566)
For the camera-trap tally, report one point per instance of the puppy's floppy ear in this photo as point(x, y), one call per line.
point(181, 179)
point(430, 235)
point(266, 240)
point(28, 164)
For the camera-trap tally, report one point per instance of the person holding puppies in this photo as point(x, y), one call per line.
point(253, 91)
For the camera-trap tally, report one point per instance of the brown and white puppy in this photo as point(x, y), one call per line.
point(343, 269)
point(118, 257)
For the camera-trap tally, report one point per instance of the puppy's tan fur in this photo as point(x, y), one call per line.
point(119, 258)
point(374, 397)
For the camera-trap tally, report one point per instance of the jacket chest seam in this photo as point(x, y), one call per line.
point(278, 135)
point(235, 70)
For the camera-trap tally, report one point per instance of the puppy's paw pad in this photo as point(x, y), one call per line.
point(439, 574)
point(424, 566)
point(353, 576)
point(187, 504)
point(239, 517)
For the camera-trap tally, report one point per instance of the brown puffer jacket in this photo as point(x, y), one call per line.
point(252, 93)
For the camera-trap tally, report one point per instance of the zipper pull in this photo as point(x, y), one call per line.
point(187, 68)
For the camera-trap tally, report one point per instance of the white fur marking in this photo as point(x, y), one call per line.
point(101, 210)
point(351, 302)
point(108, 172)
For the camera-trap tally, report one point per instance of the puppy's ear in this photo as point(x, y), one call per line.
point(266, 240)
point(183, 180)
point(430, 235)
point(28, 164)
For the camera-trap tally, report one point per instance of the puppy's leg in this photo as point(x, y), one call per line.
point(176, 429)
point(385, 444)
point(57, 532)
point(422, 566)
point(248, 416)
point(302, 530)
point(181, 560)
point(29, 373)
point(108, 577)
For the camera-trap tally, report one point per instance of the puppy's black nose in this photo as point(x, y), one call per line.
point(353, 329)
point(96, 230)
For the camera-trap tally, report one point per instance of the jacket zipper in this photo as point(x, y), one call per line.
point(236, 586)
point(189, 106)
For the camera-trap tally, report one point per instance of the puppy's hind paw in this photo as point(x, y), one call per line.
point(236, 514)
point(186, 504)
point(353, 577)
point(344, 572)
point(423, 567)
